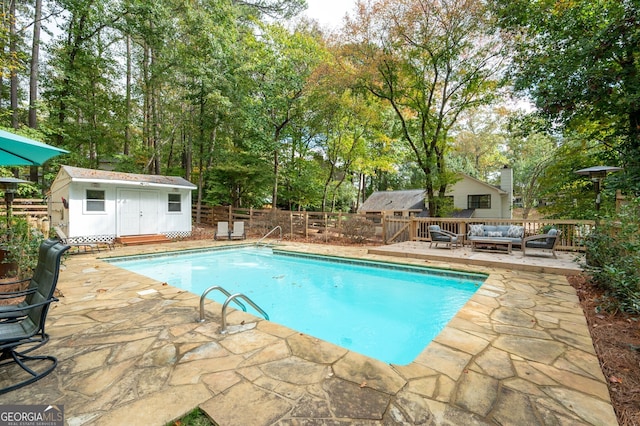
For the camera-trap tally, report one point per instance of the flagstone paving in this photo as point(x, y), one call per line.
point(131, 352)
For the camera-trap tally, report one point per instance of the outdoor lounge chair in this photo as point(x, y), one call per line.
point(546, 241)
point(29, 330)
point(87, 247)
point(440, 236)
point(222, 231)
point(238, 231)
point(9, 310)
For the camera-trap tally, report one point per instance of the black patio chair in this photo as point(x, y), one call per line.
point(9, 311)
point(29, 330)
point(544, 242)
point(440, 236)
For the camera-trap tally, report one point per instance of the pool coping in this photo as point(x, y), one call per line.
point(129, 348)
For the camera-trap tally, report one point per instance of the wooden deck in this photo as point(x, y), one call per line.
point(567, 263)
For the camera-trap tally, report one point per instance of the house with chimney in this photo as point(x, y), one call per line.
point(470, 197)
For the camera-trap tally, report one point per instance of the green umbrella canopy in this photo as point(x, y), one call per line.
point(16, 150)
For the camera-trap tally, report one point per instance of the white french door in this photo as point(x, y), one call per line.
point(137, 212)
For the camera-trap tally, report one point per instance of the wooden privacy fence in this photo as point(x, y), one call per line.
point(293, 223)
point(33, 207)
point(388, 229)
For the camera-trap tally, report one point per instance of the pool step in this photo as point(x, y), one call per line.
point(134, 240)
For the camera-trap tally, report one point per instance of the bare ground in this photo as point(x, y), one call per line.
point(616, 338)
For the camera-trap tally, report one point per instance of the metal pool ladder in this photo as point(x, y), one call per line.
point(269, 233)
point(230, 298)
point(233, 297)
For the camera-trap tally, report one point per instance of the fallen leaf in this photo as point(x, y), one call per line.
point(102, 290)
point(614, 379)
point(363, 384)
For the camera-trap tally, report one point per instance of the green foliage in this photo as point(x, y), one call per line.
point(569, 195)
point(240, 180)
point(578, 60)
point(196, 417)
point(22, 243)
point(613, 259)
point(430, 61)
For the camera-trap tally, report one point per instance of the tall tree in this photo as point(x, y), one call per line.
point(430, 60)
point(479, 140)
point(282, 65)
point(35, 61)
point(580, 62)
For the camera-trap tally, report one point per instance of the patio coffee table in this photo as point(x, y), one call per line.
point(493, 246)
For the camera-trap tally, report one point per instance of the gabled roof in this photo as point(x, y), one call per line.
point(412, 199)
point(493, 187)
point(78, 174)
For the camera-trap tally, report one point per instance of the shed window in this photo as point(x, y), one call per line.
point(175, 204)
point(479, 201)
point(95, 200)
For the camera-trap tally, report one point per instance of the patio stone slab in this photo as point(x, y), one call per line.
point(541, 350)
point(351, 401)
point(246, 404)
point(518, 352)
point(477, 393)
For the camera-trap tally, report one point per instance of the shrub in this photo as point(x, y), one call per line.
point(21, 243)
point(613, 259)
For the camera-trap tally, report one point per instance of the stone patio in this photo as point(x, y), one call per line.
point(131, 352)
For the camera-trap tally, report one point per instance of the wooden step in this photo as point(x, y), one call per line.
point(133, 240)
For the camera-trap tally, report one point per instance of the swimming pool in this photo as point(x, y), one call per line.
point(382, 310)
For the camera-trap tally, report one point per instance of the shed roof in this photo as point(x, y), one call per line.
point(78, 174)
point(412, 199)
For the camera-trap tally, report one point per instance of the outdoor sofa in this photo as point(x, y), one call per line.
point(482, 232)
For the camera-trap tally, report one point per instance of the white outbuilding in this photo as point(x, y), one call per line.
point(97, 205)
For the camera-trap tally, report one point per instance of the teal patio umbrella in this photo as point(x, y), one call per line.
point(16, 150)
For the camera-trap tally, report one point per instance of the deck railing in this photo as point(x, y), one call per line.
point(389, 229)
point(572, 237)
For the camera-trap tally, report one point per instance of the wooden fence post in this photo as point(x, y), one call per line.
point(326, 228)
point(384, 228)
point(291, 224)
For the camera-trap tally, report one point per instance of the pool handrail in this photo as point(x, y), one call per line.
point(269, 233)
point(221, 290)
point(233, 297)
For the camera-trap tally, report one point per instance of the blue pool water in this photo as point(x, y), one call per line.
point(384, 311)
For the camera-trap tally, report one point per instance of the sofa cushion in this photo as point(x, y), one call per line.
point(489, 228)
point(503, 228)
point(552, 233)
point(515, 231)
point(494, 234)
point(476, 230)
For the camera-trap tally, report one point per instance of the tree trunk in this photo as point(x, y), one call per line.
point(127, 113)
point(14, 73)
point(33, 78)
